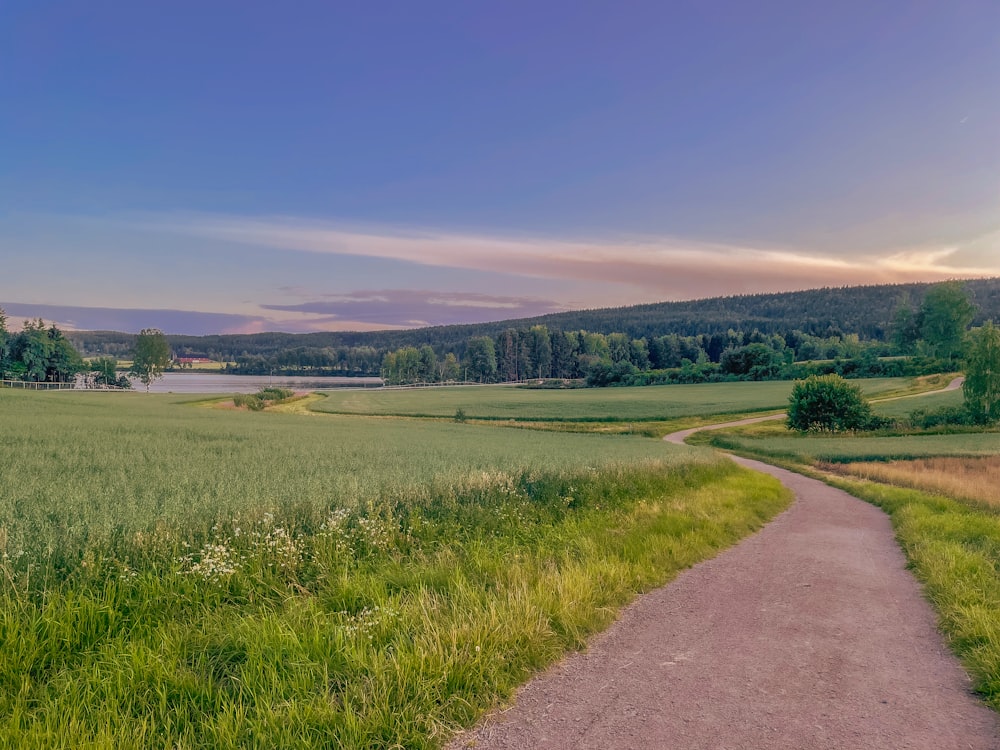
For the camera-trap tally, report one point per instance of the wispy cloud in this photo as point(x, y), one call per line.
point(407, 308)
point(186, 322)
point(358, 311)
point(669, 267)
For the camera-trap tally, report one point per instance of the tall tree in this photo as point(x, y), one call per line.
point(151, 356)
point(33, 347)
point(540, 351)
point(481, 358)
point(944, 317)
point(64, 361)
point(4, 344)
point(905, 327)
point(982, 374)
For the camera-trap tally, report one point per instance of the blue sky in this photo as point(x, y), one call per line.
point(242, 166)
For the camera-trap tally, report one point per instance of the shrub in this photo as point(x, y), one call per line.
point(982, 375)
point(828, 403)
point(945, 415)
point(253, 402)
point(274, 394)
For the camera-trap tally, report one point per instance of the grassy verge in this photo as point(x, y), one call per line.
point(953, 545)
point(379, 630)
point(954, 550)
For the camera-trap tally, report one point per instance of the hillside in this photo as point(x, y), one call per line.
point(865, 311)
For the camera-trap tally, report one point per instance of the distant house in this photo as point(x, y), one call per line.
point(189, 361)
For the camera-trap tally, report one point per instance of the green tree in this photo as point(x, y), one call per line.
point(944, 317)
point(982, 374)
point(540, 351)
point(481, 358)
point(428, 364)
point(757, 361)
point(104, 372)
point(828, 403)
point(449, 368)
point(4, 344)
point(33, 348)
point(904, 327)
point(150, 357)
point(64, 360)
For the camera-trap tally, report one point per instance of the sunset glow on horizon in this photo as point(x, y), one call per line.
point(454, 163)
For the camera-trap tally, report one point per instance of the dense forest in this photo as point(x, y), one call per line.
point(37, 353)
point(742, 336)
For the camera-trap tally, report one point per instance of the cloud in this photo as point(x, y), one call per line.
point(184, 322)
point(665, 268)
point(358, 311)
point(409, 308)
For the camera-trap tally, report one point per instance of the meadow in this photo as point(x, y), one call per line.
point(973, 480)
point(186, 577)
point(842, 449)
point(634, 404)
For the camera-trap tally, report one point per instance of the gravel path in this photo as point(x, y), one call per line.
point(809, 634)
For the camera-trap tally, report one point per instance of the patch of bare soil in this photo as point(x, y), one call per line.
point(809, 634)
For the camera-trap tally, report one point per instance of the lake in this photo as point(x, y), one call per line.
point(199, 382)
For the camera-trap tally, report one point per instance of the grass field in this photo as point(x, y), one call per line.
point(901, 408)
point(856, 448)
point(638, 404)
point(970, 479)
point(178, 577)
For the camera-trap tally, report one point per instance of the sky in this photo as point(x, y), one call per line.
point(230, 167)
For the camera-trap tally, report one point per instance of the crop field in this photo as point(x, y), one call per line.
point(901, 408)
point(970, 479)
point(183, 577)
point(843, 449)
point(637, 404)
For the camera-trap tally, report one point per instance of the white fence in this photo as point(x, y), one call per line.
point(42, 386)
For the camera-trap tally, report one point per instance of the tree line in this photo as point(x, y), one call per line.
point(780, 336)
point(935, 331)
point(37, 353)
point(820, 313)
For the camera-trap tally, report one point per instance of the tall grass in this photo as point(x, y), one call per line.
point(954, 549)
point(972, 479)
point(188, 578)
point(952, 544)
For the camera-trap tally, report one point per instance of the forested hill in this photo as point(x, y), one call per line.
point(865, 311)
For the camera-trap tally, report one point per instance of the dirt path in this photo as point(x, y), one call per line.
point(809, 634)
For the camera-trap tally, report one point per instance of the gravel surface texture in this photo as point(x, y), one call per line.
point(809, 634)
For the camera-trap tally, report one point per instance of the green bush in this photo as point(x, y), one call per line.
point(942, 416)
point(274, 394)
point(253, 402)
point(828, 403)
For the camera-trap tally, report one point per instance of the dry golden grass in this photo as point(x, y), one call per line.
point(976, 479)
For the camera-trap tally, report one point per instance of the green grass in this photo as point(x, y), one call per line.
point(180, 577)
point(646, 403)
point(953, 545)
point(858, 448)
point(902, 407)
point(954, 550)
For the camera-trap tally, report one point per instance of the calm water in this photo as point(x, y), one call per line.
point(197, 382)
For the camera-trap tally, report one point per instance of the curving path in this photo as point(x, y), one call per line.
point(809, 634)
